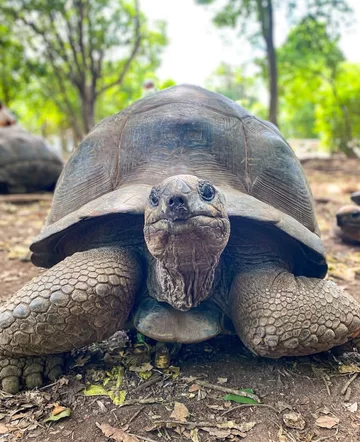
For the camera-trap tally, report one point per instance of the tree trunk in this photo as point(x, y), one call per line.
point(266, 19)
point(272, 62)
point(88, 109)
point(344, 146)
point(273, 84)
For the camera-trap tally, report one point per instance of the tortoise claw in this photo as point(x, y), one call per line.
point(29, 371)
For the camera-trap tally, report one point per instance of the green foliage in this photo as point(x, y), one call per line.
point(309, 57)
point(309, 48)
point(239, 399)
point(338, 111)
point(242, 13)
point(318, 90)
point(12, 67)
point(232, 83)
point(82, 54)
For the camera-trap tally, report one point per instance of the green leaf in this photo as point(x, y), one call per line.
point(239, 399)
point(56, 417)
point(117, 397)
point(95, 390)
point(247, 390)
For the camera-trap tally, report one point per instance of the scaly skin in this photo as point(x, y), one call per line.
point(83, 299)
point(278, 314)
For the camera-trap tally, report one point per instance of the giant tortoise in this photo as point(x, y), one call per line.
point(348, 221)
point(27, 164)
point(184, 216)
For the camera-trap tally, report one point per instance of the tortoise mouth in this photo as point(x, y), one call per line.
point(352, 220)
point(178, 224)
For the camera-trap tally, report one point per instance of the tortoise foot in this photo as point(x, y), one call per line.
point(30, 372)
point(278, 314)
point(81, 300)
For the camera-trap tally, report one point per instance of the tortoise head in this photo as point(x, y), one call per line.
point(348, 216)
point(348, 219)
point(186, 229)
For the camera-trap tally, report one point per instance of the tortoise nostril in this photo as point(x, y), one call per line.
point(176, 201)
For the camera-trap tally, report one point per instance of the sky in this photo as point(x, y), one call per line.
point(196, 47)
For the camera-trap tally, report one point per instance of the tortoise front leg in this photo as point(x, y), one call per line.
point(83, 299)
point(278, 314)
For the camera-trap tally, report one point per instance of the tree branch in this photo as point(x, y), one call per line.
point(132, 55)
point(71, 33)
point(81, 19)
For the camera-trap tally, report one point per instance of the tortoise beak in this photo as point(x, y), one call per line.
point(176, 200)
point(177, 208)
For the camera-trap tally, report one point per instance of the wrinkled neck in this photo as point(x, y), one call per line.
point(183, 280)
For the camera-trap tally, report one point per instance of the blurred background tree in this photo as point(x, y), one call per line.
point(241, 13)
point(311, 72)
point(67, 64)
point(337, 110)
point(12, 67)
point(233, 83)
point(83, 49)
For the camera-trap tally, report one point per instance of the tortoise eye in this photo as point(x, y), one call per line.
point(207, 191)
point(154, 197)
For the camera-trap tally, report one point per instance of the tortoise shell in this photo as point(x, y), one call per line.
point(27, 163)
point(184, 130)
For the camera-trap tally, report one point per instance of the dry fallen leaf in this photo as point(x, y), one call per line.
point(64, 412)
point(219, 434)
point(281, 436)
point(3, 429)
point(246, 426)
point(141, 368)
point(193, 387)
point(116, 434)
point(294, 420)
point(351, 368)
point(58, 409)
point(180, 412)
point(352, 407)
point(19, 252)
point(194, 435)
point(215, 407)
point(327, 421)
point(201, 395)
point(222, 380)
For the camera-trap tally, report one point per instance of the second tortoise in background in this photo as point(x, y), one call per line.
point(27, 163)
point(348, 220)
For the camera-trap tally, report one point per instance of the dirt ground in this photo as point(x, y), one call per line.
point(307, 399)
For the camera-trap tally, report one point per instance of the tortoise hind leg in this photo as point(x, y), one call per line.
point(85, 298)
point(278, 314)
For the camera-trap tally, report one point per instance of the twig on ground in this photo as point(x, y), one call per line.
point(153, 380)
point(228, 390)
point(323, 377)
point(347, 394)
point(191, 425)
point(249, 405)
point(135, 415)
point(150, 400)
point(346, 386)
